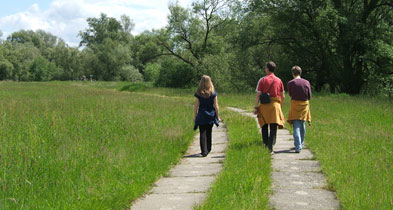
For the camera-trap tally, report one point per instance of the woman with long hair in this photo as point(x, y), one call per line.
point(206, 113)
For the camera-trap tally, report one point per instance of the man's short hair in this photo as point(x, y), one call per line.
point(271, 66)
point(296, 71)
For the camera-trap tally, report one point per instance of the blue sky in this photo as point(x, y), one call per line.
point(65, 18)
point(13, 6)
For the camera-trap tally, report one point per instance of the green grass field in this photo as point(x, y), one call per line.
point(352, 137)
point(70, 145)
point(66, 146)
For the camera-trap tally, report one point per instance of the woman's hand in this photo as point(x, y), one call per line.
point(219, 119)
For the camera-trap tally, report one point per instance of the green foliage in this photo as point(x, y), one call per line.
point(152, 72)
point(130, 73)
point(6, 69)
point(344, 46)
point(42, 70)
point(104, 28)
point(175, 74)
point(108, 43)
point(339, 43)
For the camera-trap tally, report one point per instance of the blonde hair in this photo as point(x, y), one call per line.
point(206, 87)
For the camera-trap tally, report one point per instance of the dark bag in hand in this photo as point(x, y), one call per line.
point(264, 98)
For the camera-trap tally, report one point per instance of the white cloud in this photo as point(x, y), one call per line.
point(65, 18)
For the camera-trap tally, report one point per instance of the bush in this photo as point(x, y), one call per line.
point(43, 70)
point(130, 73)
point(152, 72)
point(176, 74)
point(381, 85)
point(6, 69)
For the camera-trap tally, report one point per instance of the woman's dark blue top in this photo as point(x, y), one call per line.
point(206, 112)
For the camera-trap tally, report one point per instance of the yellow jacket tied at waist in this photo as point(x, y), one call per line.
point(271, 113)
point(299, 110)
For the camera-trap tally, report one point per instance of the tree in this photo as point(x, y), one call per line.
point(41, 69)
point(331, 39)
point(6, 67)
point(109, 40)
point(192, 34)
point(105, 27)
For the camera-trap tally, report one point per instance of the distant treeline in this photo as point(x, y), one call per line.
point(342, 46)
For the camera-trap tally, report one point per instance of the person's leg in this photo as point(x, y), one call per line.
point(272, 136)
point(297, 124)
point(203, 139)
point(303, 132)
point(209, 138)
point(265, 134)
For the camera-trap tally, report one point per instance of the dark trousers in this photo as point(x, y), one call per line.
point(205, 132)
point(269, 140)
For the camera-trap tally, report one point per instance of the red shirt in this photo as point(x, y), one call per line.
point(265, 82)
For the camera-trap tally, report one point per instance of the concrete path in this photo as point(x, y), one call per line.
point(187, 183)
point(297, 180)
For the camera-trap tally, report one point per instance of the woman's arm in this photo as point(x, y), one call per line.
point(196, 106)
point(217, 108)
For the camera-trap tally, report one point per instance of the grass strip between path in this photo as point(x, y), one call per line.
point(244, 181)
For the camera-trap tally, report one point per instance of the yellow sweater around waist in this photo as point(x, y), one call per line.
point(299, 110)
point(271, 113)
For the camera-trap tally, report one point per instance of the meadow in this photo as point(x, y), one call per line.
point(351, 136)
point(67, 146)
point(73, 145)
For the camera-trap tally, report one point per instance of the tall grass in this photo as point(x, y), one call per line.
point(353, 138)
point(66, 146)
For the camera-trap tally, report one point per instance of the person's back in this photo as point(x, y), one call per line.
point(206, 113)
point(299, 89)
point(206, 104)
point(270, 114)
point(299, 112)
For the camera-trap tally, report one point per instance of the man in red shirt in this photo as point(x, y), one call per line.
point(270, 114)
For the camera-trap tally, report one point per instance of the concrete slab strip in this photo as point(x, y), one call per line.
point(190, 179)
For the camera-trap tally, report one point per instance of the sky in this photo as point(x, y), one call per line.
point(65, 18)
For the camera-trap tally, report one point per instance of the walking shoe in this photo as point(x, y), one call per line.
point(272, 153)
point(297, 151)
point(203, 154)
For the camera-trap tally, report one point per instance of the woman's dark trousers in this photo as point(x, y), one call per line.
point(205, 138)
point(269, 140)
